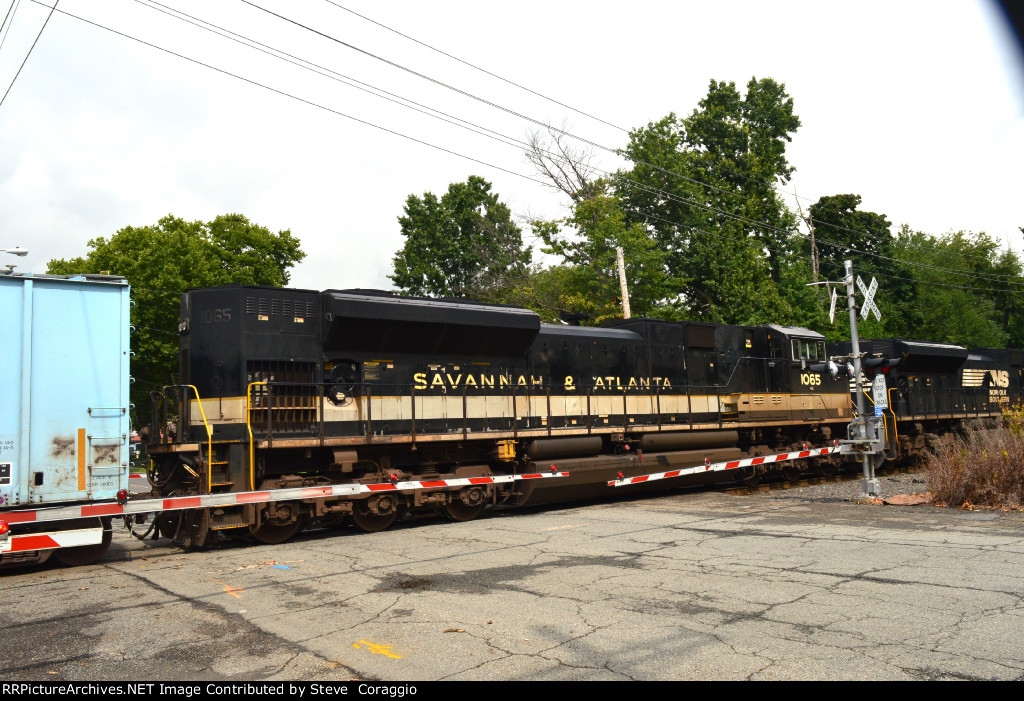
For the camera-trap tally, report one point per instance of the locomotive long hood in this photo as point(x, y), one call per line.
point(915, 356)
point(934, 357)
point(382, 323)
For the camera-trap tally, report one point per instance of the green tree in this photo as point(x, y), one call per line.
point(162, 261)
point(544, 290)
point(463, 244)
point(589, 279)
point(705, 186)
point(968, 290)
point(740, 141)
point(844, 232)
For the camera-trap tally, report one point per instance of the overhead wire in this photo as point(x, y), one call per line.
point(671, 196)
point(477, 98)
point(302, 63)
point(733, 173)
point(595, 144)
point(284, 93)
point(311, 66)
point(12, 14)
point(47, 21)
point(515, 84)
point(478, 68)
point(9, 7)
point(4, 23)
point(311, 103)
point(493, 134)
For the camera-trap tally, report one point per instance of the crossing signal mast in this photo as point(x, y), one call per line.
point(866, 434)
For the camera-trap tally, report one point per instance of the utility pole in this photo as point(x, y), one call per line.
point(622, 282)
point(814, 246)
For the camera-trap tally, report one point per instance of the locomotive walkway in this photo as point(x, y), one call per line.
point(799, 584)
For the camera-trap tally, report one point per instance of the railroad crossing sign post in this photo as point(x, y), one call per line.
point(859, 428)
point(866, 434)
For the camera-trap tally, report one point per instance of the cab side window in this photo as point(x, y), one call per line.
point(808, 350)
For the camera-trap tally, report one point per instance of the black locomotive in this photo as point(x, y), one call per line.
point(284, 387)
point(935, 390)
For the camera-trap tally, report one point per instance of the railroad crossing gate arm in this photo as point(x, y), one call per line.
point(709, 466)
point(127, 507)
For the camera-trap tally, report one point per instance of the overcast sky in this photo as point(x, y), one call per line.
point(918, 107)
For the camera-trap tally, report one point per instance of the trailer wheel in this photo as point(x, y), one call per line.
point(85, 554)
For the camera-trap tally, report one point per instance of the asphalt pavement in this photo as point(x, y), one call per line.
point(799, 584)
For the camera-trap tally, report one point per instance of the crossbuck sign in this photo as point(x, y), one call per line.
point(869, 299)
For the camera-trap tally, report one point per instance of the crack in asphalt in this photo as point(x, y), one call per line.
point(284, 643)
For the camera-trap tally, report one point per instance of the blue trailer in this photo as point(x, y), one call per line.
point(64, 418)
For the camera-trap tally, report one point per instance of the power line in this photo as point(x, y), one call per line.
point(472, 126)
point(471, 96)
point(296, 97)
point(671, 196)
point(320, 70)
point(4, 38)
point(478, 68)
point(734, 173)
point(8, 13)
point(423, 76)
point(314, 104)
point(505, 80)
point(29, 51)
point(584, 140)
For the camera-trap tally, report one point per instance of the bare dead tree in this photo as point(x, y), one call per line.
point(814, 246)
point(568, 168)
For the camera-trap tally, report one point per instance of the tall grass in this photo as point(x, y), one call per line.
point(982, 467)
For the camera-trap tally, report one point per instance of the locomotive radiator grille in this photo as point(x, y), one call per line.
point(291, 403)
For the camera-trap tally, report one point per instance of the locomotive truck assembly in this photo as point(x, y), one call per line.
point(299, 408)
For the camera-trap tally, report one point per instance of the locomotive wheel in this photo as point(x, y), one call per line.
point(274, 533)
point(750, 476)
point(827, 468)
point(467, 504)
point(85, 554)
point(792, 472)
point(281, 523)
point(371, 522)
point(167, 523)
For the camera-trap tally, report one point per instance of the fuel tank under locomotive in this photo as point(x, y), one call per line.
point(589, 471)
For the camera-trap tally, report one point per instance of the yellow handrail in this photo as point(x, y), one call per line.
point(248, 426)
point(895, 429)
point(209, 440)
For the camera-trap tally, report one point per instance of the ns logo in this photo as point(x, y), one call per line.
point(1000, 378)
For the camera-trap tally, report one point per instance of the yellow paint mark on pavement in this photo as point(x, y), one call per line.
point(235, 592)
point(376, 649)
